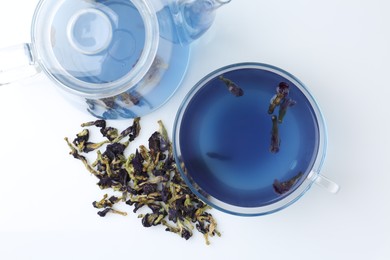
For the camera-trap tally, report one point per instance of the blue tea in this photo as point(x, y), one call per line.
point(101, 43)
point(249, 137)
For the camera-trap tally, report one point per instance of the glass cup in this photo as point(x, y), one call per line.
point(242, 147)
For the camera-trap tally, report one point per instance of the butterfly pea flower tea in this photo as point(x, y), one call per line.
point(249, 139)
point(114, 59)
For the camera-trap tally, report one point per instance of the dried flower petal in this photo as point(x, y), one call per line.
point(232, 87)
point(281, 92)
point(283, 187)
point(288, 102)
point(275, 140)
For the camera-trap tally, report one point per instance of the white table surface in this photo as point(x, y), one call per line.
point(339, 49)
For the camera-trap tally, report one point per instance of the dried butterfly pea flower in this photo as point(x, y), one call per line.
point(76, 155)
point(104, 212)
point(98, 123)
point(149, 188)
point(152, 219)
point(132, 131)
point(150, 178)
point(283, 88)
point(137, 163)
point(281, 92)
point(283, 187)
point(180, 229)
point(109, 132)
point(287, 102)
point(89, 147)
point(281, 100)
point(105, 202)
point(157, 144)
point(83, 145)
point(114, 150)
point(81, 139)
point(275, 140)
point(232, 87)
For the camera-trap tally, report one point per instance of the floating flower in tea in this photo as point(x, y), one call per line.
point(283, 187)
point(232, 87)
point(281, 100)
point(287, 102)
point(275, 140)
point(281, 92)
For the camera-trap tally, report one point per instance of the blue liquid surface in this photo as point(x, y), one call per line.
point(239, 130)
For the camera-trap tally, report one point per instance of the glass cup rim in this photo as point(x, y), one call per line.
point(96, 90)
point(279, 204)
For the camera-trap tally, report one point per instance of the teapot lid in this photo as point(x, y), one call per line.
point(95, 48)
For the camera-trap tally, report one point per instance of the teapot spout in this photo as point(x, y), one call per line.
point(185, 21)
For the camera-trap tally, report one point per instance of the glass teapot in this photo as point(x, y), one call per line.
point(116, 58)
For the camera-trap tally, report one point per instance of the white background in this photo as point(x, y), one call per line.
point(339, 49)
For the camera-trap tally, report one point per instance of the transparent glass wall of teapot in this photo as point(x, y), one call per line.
point(185, 21)
point(111, 64)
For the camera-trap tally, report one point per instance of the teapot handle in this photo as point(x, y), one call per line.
point(16, 62)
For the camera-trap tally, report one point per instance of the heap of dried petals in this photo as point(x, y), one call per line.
point(147, 178)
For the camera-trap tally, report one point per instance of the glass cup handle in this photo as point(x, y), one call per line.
point(16, 62)
point(324, 182)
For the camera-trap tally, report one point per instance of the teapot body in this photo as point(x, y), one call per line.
point(121, 58)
